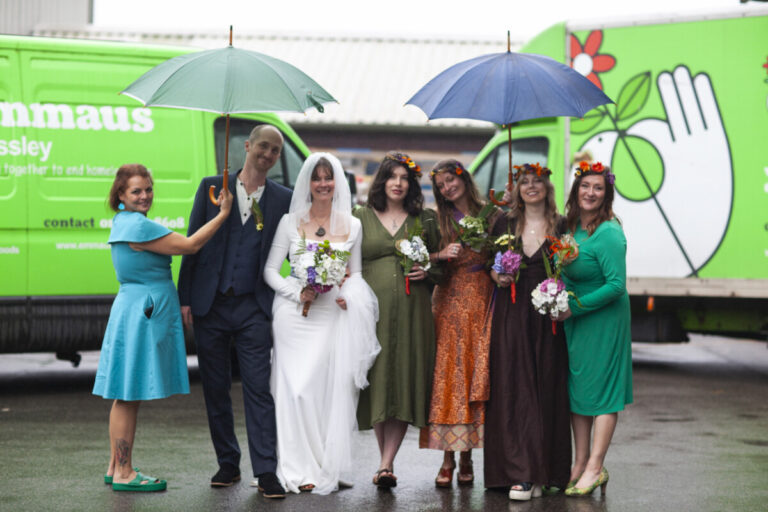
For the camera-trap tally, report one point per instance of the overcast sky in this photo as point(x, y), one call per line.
point(415, 17)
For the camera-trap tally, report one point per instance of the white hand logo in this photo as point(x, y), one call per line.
point(697, 190)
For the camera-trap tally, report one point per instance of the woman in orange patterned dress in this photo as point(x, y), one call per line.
point(461, 305)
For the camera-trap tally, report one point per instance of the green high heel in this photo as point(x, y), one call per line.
point(602, 482)
point(572, 483)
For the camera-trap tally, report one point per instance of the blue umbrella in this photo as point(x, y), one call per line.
point(507, 87)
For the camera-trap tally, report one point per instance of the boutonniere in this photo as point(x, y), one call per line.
point(258, 217)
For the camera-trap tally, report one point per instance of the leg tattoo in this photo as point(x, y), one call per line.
point(123, 450)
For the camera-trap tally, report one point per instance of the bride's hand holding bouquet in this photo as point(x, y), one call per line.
point(319, 268)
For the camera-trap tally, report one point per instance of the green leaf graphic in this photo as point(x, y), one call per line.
point(633, 96)
point(589, 122)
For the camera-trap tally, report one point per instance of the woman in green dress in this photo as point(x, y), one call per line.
point(401, 379)
point(597, 328)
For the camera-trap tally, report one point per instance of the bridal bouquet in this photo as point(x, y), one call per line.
point(473, 231)
point(318, 266)
point(550, 296)
point(508, 261)
point(412, 250)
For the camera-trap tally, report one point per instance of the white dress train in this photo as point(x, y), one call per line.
point(319, 364)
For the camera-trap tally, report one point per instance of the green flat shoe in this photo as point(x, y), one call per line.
point(135, 485)
point(108, 478)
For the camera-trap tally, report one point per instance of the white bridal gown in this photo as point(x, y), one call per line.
point(319, 364)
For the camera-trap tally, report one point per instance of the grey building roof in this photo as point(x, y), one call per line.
point(372, 76)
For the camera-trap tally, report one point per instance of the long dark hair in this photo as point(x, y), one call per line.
point(413, 202)
point(123, 174)
point(444, 206)
point(517, 208)
point(573, 211)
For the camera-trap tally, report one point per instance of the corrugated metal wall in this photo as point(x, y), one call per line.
point(20, 16)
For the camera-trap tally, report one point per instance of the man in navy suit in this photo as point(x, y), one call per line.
point(224, 298)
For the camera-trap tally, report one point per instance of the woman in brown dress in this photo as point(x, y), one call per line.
point(527, 435)
point(461, 305)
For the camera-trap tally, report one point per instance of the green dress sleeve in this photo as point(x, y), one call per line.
point(610, 247)
point(432, 235)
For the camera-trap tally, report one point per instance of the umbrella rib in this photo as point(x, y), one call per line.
point(175, 72)
point(287, 86)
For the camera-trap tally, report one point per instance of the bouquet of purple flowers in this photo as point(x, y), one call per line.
point(508, 261)
point(318, 266)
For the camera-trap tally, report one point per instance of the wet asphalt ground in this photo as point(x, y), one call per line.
point(696, 439)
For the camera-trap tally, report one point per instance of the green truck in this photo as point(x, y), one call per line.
point(687, 139)
point(64, 131)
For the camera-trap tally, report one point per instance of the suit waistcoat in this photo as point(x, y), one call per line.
point(242, 256)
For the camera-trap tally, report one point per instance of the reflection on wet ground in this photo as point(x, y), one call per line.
point(694, 440)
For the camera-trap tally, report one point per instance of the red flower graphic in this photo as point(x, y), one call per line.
point(766, 65)
point(586, 60)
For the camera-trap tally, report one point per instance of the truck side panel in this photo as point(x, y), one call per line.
point(82, 144)
point(682, 140)
point(13, 186)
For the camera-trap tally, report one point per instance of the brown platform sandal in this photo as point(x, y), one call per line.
point(466, 475)
point(306, 488)
point(445, 476)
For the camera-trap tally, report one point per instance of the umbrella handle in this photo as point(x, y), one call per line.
point(492, 197)
point(212, 195)
point(212, 189)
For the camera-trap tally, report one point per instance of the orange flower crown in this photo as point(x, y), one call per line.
point(536, 169)
point(407, 162)
point(585, 169)
point(456, 168)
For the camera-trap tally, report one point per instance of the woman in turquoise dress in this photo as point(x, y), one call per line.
point(597, 326)
point(143, 356)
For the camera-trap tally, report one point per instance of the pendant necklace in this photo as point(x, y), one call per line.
point(394, 222)
point(321, 230)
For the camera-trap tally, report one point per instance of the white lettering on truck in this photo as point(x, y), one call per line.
point(84, 117)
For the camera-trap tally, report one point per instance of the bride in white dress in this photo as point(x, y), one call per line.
point(321, 361)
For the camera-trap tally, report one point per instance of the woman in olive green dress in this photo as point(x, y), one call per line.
point(597, 328)
point(401, 379)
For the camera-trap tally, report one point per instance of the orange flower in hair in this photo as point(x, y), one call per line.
point(407, 162)
point(584, 165)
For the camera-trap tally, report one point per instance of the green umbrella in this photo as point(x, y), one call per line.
point(228, 81)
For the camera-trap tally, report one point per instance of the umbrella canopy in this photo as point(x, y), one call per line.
point(228, 81)
point(507, 87)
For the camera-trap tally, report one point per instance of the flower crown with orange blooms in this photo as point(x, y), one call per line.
point(457, 169)
point(536, 169)
point(407, 162)
point(585, 168)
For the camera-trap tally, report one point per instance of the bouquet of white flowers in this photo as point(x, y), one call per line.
point(413, 251)
point(318, 266)
point(473, 231)
point(550, 296)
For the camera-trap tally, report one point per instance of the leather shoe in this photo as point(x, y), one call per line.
point(270, 486)
point(225, 476)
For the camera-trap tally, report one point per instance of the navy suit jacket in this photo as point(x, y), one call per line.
point(199, 273)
